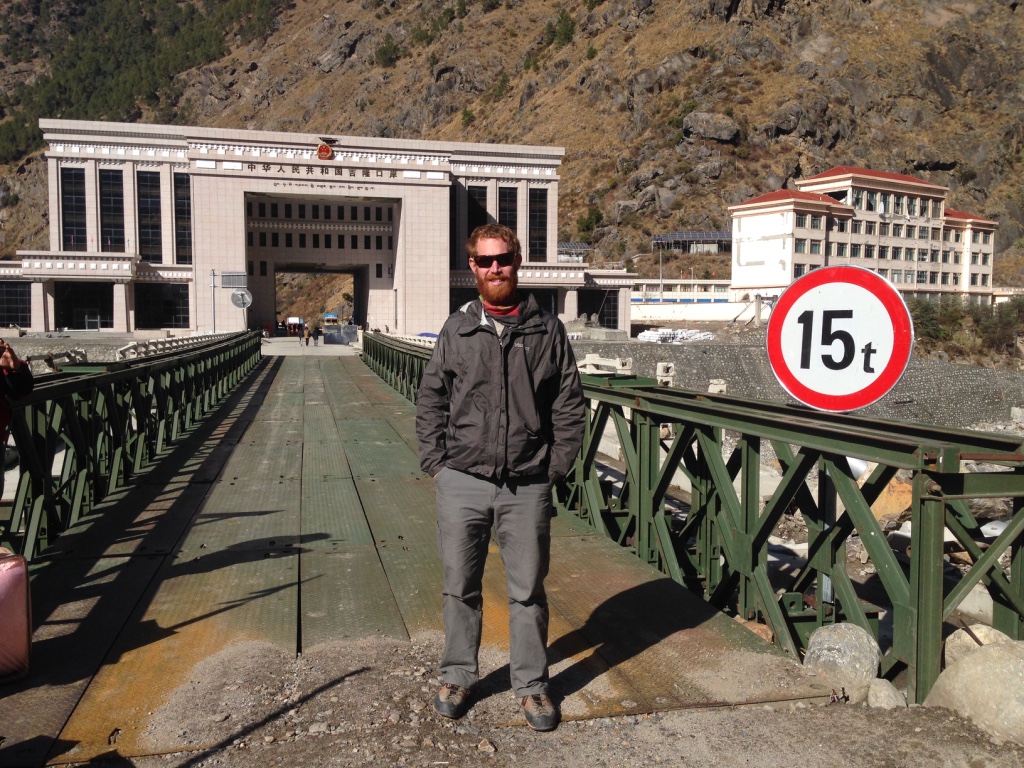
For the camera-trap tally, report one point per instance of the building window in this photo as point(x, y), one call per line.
point(263, 210)
point(476, 212)
point(72, 206)
point(897, 230)
point(841, 250)
point(883, 273)
point(249, 268)
point(984, 279)
point(922, 254)
point(816, 247)
point(263, 269)
point(956, 257)
point(897, 253)
point(974, 278)
point(379, 242)
point(379, 271)
point(801, 221)
point(274, 240)
point(933, 278)
point(897, 204)
point(161, 305)
point(354, 242)
point(855, 251)
point(316, 240)
point(287, 210)
point(341, 213)
point(883, 229)
point(354, 213)
point(936, 209)
point(840, 225)
point(858, 199)
point(945, 278)
point(302, 240)
point(111, 211)
point(798, 270)
point(934, 256)
point(273, 210)
point(182, 218)
point(378, 214)
point(911, 231)
point(984, 259)
point(872, 201)
point(869, 227)
point(366, 242)
point(986, 238)
point(341, 242)
point(302, 210)
point(391, 242)
point(538, 225)
point(856, 227)
point(974, 258)
point(911, 206)
point(883, 251)
point(248, 238)
point(945, 257)
point(263, 239)
point(316, 211)
point(327, 212)
point(883, 203)
point(935, 233)
point(922, 276)
point(815, 222)
point(869, 251)
point(391, 214)
point(147, 189)
point(922, 233)
point(956, 279)
point(897, 276)
point(248, 208)
point(327, 238)
point(366, 213)
point(974, 237)
point(15, 303)
point(800, 246)
point(508, 207)
point(287, 239)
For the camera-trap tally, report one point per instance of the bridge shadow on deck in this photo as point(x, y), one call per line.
point(297, 516)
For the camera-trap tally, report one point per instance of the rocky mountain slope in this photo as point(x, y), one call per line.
point(669, 111)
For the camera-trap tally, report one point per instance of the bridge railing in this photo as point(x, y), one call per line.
point(719, 549)
point(84, 432)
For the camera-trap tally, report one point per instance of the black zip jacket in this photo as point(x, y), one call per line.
point(501, 405)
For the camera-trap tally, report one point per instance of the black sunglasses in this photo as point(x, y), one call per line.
point(506, 259)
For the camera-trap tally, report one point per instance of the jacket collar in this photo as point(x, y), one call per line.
point(474, 317)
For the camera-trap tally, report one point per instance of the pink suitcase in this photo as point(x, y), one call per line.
point(15, 616)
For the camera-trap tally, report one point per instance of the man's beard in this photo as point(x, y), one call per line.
point(501, 295)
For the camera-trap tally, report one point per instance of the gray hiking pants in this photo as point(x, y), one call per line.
point(520, 511)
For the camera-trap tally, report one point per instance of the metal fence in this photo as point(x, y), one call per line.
point(719, 548)
point(84, 432)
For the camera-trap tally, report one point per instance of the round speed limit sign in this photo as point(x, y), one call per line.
point(839, 338)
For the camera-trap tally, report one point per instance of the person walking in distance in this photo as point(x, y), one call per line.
point(499, 420)
point(15, 382)
point(306, 334)
point(316, 335)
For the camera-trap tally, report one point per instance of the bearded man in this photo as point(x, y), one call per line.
point(499, 420)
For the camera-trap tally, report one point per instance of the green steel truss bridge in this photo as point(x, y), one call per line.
point(175, 507)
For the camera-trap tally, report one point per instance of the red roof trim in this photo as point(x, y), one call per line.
point(849, 170)
point(783, 195)
point(964, 216)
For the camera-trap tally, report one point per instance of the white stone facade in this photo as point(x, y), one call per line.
point(152, 227)
point(892, 224)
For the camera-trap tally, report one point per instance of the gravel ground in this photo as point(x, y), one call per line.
point(368, 703)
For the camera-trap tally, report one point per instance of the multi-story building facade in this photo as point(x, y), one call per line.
point(155, 227)
point(890, 223)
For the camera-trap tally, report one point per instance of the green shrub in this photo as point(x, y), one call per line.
point(467, 117)
point(586, 222)
point(565, 29)
point(388, 53)
point(591, 52)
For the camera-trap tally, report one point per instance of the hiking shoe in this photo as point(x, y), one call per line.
point(541, 712)
point(451, 701)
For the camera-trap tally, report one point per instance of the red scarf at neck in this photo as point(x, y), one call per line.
point(511, 311)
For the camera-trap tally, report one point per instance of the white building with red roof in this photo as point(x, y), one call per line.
point(890, 223)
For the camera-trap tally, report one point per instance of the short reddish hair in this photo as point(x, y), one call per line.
point(493, 232)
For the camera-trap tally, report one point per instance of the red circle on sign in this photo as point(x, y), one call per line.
point(324, 152)
point(903, 337)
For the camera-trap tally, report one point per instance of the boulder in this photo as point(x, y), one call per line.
point(960, 644)
point(847, 656)
point(986, 687)
point(710, 125)
point(884, 695)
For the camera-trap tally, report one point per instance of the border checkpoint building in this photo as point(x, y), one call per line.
point(150, 224)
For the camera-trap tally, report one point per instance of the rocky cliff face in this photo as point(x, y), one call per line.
point(669, 110)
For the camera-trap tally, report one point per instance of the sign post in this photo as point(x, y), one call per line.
point(839, 338)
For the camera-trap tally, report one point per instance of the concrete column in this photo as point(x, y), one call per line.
point(167, 214)
point(120, 308)
point(131, 210)
point(552, 223)
point(53, 190)
point(39, 318)
point(461, 225)
point(129, 302)
point(523, 213)
point(571, 305)
point(625, 296)
point(92, 207)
